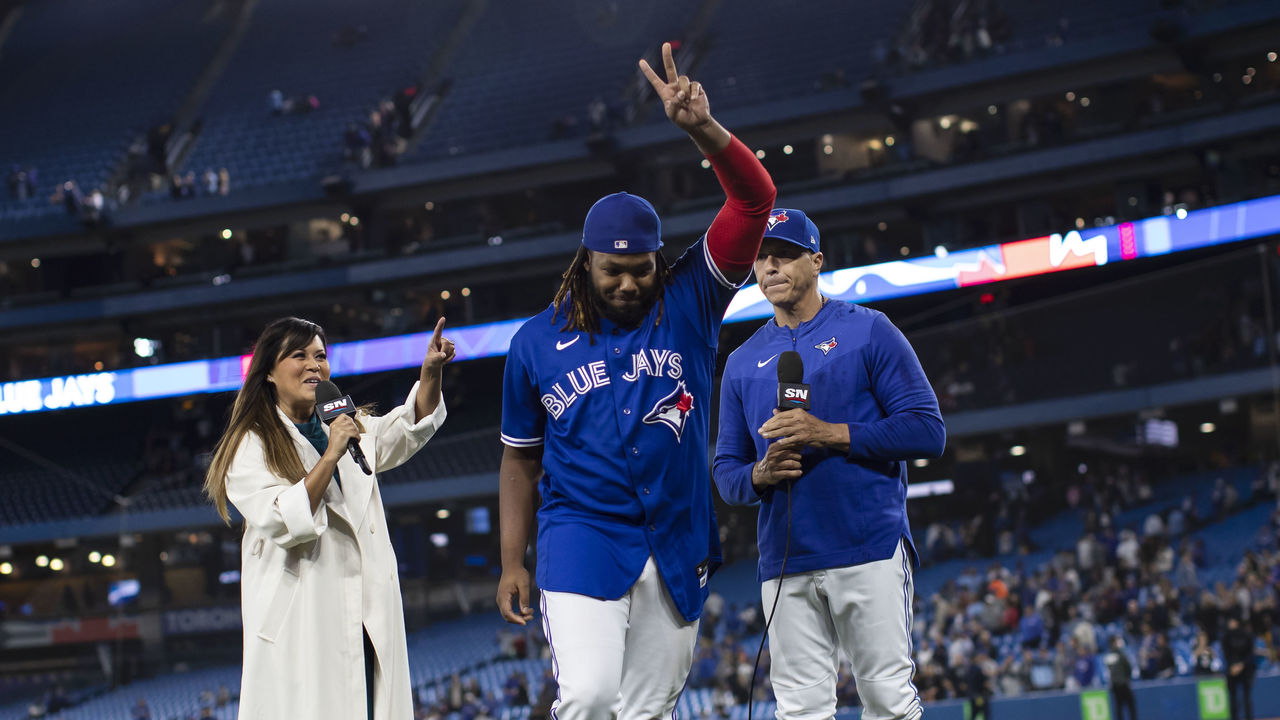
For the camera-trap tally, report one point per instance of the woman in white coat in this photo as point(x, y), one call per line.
point(324, 635)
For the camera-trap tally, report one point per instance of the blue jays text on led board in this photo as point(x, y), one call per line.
point(915, 276)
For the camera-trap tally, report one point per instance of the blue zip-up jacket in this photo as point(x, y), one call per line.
point(845, 509)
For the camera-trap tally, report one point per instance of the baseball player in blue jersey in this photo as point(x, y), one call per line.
point(839, 469)
point(607, 397)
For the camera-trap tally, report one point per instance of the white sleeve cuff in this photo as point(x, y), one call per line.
point(294, 506)
point(520, 442)
point(429, 424)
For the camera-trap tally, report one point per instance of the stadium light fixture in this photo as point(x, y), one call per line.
point(827, 149)
point(1018, 450)
point(6, 568)
point(226, 233)
point(95, 557)
point(443, 513)
point(466, 292)
point(890, 141)
point(760, 154)
point(108, 560)
point(1207, 427)
point(921, 462)
point(42, 561)
point(1180, 213)
point(787, 149)
point(1071, 97)
point(144, 347)
point(940, 251)
point(445, 295)
point(706, 164)
point(35, 262)
point(56, 565)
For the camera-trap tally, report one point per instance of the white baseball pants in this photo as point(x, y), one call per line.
point(864, 610)
point(626, 658)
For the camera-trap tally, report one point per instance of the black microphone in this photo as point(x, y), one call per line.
point(330, 403)
point(792, 391)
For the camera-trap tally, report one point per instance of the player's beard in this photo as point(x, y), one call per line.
point(629, 315)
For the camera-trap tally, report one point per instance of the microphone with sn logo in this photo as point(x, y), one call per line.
point(792, 391)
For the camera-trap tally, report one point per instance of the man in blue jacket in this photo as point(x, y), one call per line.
point(830, 481)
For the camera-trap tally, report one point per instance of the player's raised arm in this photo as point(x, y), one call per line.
point(734, 237)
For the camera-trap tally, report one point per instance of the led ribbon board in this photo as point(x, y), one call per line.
point(916, 276)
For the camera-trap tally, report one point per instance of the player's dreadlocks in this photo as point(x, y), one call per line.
point(574, 298)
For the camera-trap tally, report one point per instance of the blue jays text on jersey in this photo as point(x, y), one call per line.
point(623, 416)
point(583, 379)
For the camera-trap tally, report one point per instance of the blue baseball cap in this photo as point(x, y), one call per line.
point(622, 223)
point(793, 226)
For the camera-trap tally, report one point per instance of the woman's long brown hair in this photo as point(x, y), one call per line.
point(255, 410)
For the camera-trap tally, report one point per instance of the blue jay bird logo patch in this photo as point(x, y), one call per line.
point(672, 410)
point(777, 219)
point(827, 345)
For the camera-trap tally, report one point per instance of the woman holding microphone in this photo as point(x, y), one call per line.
point(324, 634)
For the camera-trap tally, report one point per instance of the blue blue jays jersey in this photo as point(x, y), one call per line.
point(624, 417)
point(849, 508)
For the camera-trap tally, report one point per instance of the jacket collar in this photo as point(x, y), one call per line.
point(818, 319)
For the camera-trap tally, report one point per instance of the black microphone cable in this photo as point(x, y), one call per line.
point(751, 692)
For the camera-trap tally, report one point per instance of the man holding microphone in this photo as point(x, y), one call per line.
point(830, 475)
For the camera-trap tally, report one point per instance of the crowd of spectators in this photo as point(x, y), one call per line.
point(1010, 629)
point(942, 32)
point(383, 138)
point(208, 183)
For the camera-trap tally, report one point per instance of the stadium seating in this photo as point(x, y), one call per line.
point(524, 68)
point(290, 47)
point(83, 80)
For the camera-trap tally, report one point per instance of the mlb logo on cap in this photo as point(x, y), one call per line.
point(793, 226)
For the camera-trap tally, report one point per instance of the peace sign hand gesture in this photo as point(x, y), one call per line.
point(685, 102)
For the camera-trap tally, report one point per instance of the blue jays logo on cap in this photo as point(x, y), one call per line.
point(793, 226)
point(672, 410)
point(622, 223)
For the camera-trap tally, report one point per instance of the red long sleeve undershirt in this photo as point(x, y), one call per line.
point(734, 237)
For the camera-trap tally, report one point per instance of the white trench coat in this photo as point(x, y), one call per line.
point(310, 582)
